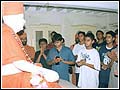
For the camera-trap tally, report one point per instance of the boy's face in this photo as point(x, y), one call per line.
point(99, 35)
point(81, 37)
point(109, 38)
point(58, 43)
point(43, 45)
point(88, 41)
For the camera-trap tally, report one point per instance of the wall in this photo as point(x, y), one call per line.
point(68, 23)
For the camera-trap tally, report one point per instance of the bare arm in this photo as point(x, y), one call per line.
point(82, 62)
point(90, 65)
point(68, 62)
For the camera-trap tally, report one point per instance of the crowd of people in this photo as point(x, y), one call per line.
point(93, 62)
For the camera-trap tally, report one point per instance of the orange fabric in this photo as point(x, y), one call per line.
point(12, 8)
point(20, 80)
point(11, 51)
point(30, 51)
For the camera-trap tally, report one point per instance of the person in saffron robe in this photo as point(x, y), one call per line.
point(18, 70)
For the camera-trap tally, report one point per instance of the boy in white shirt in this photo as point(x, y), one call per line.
point(89, 62)
point(76, 49)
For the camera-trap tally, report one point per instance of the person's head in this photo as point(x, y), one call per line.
point(89, 39)
point(76, 38)
point(81, 36)
point(23, 37)
point(116, 36)
point(110, 37)
point(12, 13)
point(100, 35)
point(57, 40)
point(43, 43)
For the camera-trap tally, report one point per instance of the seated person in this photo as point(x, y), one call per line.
point(41, 55)
point(18, 71)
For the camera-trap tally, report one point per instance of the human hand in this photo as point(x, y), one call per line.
point(41, 51)
point(80, 63)
point(104, 67)
point(57, 59)
point(112, 55)
point(38, 64)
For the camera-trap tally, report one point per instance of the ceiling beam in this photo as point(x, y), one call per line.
point(44, 5)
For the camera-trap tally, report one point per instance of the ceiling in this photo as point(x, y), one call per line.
point(89, 7)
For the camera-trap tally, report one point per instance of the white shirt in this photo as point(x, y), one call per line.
point(76, 50)
point(88, 77)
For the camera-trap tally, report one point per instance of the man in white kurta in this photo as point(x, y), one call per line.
point(89, 77)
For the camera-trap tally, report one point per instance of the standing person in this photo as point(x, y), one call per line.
point(16, 64)
point(100, 38)
point(89, 62)
point(60, 57)
point(105, 60)
point(76, 49)
point(29, 49)
point(113, 55)
point(41, 55)
point(51, 44)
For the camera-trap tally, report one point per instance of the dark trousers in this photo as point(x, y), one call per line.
point(77, 78)
point(103, 85)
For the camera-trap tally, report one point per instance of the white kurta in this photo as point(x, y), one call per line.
point(88, 77)
point(75, 51)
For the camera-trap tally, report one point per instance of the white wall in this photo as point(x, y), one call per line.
point(69, 23)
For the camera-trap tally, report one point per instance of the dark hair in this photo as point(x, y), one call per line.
point(20, 33)
point(81, 32)
point(111, 33)
point(57, 37)
point(99, 31)
point(116, 32)
point(42, 40)
point(90, 35)
point(53, 32)
point(63, 40)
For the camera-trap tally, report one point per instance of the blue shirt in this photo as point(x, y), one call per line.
point(62, 68)
point(98, 46)
point(104, 74)
point(42, 59)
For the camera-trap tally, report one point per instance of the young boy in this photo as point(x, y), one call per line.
point(76, 49)
point(100, 39)
point(41, 55)
point(89, 62)
point(105, 60)
point(60, 57)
